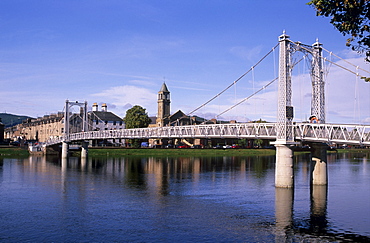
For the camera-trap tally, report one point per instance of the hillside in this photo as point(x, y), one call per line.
point(12, 120)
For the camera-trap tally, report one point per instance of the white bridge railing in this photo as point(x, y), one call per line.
point(329, 133)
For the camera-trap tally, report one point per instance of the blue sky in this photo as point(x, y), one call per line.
point(120, 52)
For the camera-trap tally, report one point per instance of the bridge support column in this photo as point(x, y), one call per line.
point(319, 173)
point(284, 173)
point(65, 149)
point(84, 149)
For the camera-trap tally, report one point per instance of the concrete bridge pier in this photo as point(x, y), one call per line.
point(319, 172)
point(65, 149)
point(84, 149)
point(284, 173)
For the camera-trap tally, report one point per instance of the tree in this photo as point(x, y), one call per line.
point(259, 121)
point(351, 18)
point(136, 117)
point(258, 142)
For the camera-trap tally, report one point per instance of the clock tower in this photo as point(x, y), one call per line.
point(163, 106)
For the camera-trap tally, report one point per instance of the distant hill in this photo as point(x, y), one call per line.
point(10, 120)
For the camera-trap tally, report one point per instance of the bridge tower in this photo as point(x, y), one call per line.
point(66, 139)
point(284, 176)
point(318, 84)
point(164, 108)
point(318, 150)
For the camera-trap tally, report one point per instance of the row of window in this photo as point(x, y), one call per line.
point(106, 122)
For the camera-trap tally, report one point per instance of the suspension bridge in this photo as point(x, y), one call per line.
point(285, 132)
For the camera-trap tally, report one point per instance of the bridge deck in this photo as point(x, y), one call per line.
point(329, 133)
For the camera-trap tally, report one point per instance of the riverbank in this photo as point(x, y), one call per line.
point(16, 151)
point(13, 151)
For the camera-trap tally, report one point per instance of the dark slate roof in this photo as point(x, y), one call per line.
point(178, 114)
point(105, 116)
point(164, 88)
point(153, 119)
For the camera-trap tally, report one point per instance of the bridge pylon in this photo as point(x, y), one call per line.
point(318, 84)
point(66, 136)
point(284, 173)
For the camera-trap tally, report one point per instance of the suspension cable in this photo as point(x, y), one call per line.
point(355, 73)
point(336, 64)
point(214, 97)
point(247, 98)
point(346, 61)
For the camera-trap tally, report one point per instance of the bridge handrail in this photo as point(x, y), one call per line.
point(310, 132)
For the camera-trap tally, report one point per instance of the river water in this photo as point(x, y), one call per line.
point(181, 199)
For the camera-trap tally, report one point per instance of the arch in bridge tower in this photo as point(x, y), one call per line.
point(67, 114)
point(284, 173)
point(285, 110)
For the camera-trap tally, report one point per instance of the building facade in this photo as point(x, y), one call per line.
point(103, 119)
point(52, 126)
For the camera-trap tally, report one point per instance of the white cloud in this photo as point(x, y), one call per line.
point(127, 95)
point(250, 54)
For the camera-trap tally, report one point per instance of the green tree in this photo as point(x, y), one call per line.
point(259, 121)
point(258, 142)
point(136, 117)
point(349, 17)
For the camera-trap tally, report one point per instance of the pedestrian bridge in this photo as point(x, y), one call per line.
point(304, 132)
point(284, 132)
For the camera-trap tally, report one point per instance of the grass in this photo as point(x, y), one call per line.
point(16, 152)
point(13, 152)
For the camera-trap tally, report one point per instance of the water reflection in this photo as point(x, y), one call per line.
point(201, 194)
point(284, 198)
point(1, 169)
point(159, 176)
point(318, 220)
point(136, 171)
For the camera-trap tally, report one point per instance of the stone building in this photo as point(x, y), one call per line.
point(164, 106)
point(42, 128)
point(51, 126)
point(103, 119)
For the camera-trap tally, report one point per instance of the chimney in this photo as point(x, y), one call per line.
point(95, 107)
point(104, 107)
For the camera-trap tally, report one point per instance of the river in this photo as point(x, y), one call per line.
point(181, 199)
